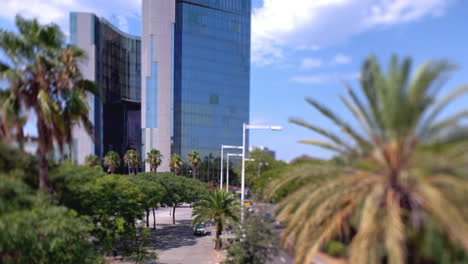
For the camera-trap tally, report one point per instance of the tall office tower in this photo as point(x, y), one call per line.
point(113, 63)
point(195, 75)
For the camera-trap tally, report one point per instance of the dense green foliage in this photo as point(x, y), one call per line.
point(256, 242)
point(175, 163)
point(261, 163)
point(218, 206)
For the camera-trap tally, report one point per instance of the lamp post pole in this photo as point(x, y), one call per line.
point(222, 157)
point(244, 128)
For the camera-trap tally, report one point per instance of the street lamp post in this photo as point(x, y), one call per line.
point(244, 128)
point(222, 156)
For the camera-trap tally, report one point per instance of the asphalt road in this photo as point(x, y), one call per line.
point(176, 244)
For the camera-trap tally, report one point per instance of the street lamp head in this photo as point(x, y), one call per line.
point(276, 128)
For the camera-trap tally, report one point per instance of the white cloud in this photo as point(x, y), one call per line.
point(308, 47)
point(58, 11)
point(341, 59)
point(280, 24)
point(325, 78)
point(309, 63)
point(311, 79)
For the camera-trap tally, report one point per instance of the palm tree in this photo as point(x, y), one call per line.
point(194, 159)
point(132, 159)
point(12, 120)
point(154, 158)
point(218, 206)
point(44, 79)
point(92, 160)
point(175, 163)
point(390, 186)
point(111, 161)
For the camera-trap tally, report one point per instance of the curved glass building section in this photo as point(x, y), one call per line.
point(114, 63)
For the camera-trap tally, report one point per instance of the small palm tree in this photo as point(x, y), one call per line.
point(218, 206)
point(92, 160)
point(45, 79)
point(132, 158)
point(387, 192)
point(175, 163)
point(112, 161)
point(154, 158)
point(195, 162)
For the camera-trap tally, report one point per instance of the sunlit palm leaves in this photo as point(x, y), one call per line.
point(175, 163)
point(132, 159)
point(399, 177)
point(111, 161)
point(154, 158)
point(218, 206)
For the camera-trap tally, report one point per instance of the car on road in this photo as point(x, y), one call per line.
point(200, 229)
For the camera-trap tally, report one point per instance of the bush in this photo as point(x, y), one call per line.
point(12, 159)
point(46, 234)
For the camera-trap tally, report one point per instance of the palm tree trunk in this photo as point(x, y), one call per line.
point(154, 219)
point(147, 217)
point(173, 214)
point(219, 230)
point(43, 164)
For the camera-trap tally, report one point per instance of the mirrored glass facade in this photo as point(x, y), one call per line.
point(211, 74)
point(114, 63)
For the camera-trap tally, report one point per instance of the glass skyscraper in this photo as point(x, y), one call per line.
point(196, 74)
point(183, 86)
point(113, 62)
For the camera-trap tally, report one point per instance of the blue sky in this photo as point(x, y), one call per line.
point(302, 50)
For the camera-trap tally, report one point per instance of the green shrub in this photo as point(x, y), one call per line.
point(46, 234)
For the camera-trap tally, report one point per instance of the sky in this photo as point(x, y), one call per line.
point(302, 48)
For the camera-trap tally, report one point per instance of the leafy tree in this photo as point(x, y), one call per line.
point(389, 186)
point(194, 160)
point(152, 194)
point(142, 243)
point(218, 206)
point(45, 79)
point(255, 242)
point(154, 158)
point(132, 158)
point(262, 163)
point(112, 161)
point(175, 163)
point(92, 160)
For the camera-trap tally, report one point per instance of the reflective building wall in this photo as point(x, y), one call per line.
point(195, 75)
point(212, 74)
point(114, 61)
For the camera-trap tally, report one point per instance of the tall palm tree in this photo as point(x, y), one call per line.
point(111, 161)
point(175, 163)
point(45, 79)
point(390, 187)
point(195, 162)
point(154, 158)
point(219, 206)
point(132, 158)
